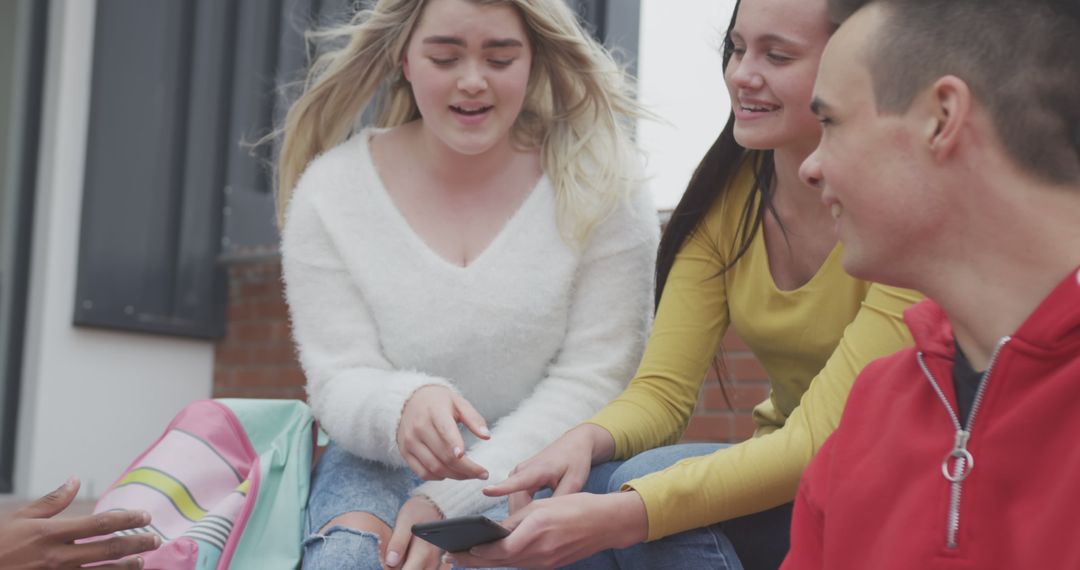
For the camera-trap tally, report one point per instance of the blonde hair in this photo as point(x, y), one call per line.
point(578, 107)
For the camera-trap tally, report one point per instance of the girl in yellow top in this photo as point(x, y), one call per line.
point(751, 247)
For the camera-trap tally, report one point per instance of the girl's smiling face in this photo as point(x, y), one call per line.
point(776, 46)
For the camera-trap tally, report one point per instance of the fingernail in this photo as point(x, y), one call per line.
point(144, 518)
point(157, 541)
point(69, 484)
point(457, 452)
point(393, 557)
point(484, 475)
point(485, 432)
point(139, 561)
point(447, 559)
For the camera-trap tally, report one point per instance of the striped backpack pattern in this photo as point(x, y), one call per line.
point(225, 485)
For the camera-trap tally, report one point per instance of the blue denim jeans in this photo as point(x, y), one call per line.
point(754, 542)
point(344, 483)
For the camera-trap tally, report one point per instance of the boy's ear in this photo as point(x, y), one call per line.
point(405, 67)
point(948, 103)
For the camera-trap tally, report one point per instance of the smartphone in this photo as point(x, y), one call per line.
point(461, 533)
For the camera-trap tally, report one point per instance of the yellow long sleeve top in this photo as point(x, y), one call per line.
point(812, 342)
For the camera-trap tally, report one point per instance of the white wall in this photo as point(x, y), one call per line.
point(681, 80)
point(91, 399)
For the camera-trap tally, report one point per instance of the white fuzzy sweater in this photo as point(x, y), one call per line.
point(535, 334)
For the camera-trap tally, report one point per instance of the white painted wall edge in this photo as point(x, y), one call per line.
point(91, 399)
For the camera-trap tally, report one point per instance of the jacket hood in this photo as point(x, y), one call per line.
point(1054, 323)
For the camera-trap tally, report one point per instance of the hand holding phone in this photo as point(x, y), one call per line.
point(460, 533)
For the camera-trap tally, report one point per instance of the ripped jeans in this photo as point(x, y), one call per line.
point(344, 483)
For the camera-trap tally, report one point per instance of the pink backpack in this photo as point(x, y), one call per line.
point(225, 485)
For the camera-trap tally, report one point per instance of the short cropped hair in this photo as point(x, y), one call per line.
point(1020, 58)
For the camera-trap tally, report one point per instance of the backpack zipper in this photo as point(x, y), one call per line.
point(962, 460)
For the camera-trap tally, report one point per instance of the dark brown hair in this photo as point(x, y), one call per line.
point(1019, 58)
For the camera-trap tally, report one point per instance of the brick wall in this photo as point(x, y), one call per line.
point(256, 359)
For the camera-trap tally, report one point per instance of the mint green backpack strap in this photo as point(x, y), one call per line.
point(281, 433)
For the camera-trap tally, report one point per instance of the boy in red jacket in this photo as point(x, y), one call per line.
point(951, 160)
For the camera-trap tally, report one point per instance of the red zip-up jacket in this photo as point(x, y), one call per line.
point(876, 496)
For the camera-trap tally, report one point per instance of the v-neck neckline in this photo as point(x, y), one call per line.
point(763, 254)
point(411, 234)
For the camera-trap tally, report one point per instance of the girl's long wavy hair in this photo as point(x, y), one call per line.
point(578, 107)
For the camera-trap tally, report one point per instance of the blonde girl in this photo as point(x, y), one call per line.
point(482, 255)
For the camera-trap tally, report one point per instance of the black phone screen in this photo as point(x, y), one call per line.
point(461, 533)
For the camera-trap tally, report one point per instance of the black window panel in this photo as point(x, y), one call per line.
point(275, 55)
point(249, 215)
point(151, 221)
point(593, 16)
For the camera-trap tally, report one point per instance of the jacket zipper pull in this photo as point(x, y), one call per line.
point(964, 460)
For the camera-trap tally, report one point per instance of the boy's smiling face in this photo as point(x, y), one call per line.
point(871, 167)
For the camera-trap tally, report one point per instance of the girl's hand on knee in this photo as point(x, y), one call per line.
point(562, 466)
point(405, 551)
point(429, 439)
